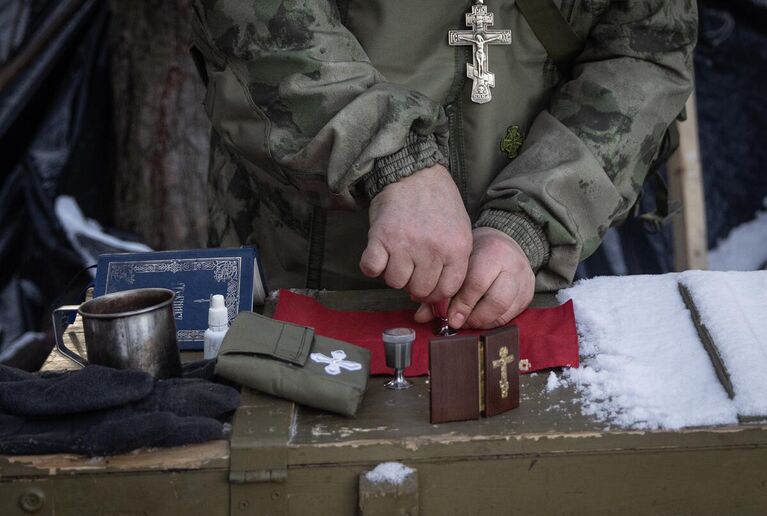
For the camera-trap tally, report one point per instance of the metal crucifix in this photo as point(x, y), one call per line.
point(480, 37)
point(502, 363)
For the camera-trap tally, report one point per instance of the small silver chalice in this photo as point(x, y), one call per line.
point(398, 347)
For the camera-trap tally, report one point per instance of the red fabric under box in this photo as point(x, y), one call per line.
point(547, 336)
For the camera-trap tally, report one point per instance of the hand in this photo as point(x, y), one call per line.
point(420, 236)
point(499, 284)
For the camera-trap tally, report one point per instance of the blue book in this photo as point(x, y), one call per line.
point(194, 275)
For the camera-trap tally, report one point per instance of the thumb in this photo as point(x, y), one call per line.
point(374, 259)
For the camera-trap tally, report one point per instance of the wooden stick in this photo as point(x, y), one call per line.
point(686, 185)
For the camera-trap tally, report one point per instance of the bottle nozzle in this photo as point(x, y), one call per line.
point(217, 314)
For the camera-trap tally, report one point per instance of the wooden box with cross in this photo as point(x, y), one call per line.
point(473, 376)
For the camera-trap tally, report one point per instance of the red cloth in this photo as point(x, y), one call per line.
point(547, 335)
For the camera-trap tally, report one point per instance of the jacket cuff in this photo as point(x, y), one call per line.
point(418, 153)
point(523, 230)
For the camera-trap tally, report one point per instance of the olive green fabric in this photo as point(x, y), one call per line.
point(310, 110)
point(274, 357)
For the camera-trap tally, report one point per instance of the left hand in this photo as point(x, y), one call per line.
point(499, 284)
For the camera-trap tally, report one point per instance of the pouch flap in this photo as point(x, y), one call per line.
point(256, 334)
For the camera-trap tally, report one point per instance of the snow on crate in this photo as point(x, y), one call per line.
point(733, 308)
point(642, 364)
point(552, 382)
point(389, 472)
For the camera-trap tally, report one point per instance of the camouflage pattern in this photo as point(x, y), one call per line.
point(306, 102)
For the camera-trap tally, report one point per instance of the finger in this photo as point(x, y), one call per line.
point(398, 271)
point(524, 291)
point(374, 259)
point(424, 279)
point(449, 283)
point(478, 280)
point(497, 305)
point(423, 314)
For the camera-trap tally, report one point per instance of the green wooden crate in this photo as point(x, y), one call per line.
point(543, 458)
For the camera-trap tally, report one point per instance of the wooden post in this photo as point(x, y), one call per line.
point(685, 179)
point(161, 130)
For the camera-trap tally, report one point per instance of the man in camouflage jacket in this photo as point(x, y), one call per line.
point(344, 129)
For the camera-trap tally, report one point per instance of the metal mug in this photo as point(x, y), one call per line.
point(133, 329)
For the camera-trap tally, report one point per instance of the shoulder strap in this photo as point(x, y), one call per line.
point(552, 30)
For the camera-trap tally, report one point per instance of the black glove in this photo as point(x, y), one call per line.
point(190, 397)
point(103, 432)
point(98, 410)
point(91, 388)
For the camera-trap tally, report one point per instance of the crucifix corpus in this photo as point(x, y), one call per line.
point(480, 37)
point(503, 361)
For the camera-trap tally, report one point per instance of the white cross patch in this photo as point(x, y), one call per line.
point(336, 363)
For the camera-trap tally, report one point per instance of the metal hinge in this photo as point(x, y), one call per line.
point(258, 477)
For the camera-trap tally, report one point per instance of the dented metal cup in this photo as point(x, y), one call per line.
point(133, 329)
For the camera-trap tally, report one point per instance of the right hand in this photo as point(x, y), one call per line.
point(420, 236)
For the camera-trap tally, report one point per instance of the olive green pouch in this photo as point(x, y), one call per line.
point(291, 362)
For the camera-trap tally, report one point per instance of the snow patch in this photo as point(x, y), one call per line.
point(744, 249)
point(552, 382)
point(390, 472)
point(643, 365)
point(732, 306)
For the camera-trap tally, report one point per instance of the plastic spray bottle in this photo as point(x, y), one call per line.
point(218, 324)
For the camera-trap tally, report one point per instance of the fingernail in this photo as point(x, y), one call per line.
point(458, 320)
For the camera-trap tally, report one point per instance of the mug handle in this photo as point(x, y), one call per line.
point(58, 332)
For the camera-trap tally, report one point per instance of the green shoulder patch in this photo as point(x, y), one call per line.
point(512, 141)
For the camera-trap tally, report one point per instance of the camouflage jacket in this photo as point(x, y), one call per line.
point(317, 105)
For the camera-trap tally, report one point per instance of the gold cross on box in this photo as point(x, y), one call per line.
point(503, 363)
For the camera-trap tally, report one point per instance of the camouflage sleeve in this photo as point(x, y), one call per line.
point(585, 158)
point(291, 91)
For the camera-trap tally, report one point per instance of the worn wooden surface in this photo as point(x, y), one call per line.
point(210, 455)
point(74, 339)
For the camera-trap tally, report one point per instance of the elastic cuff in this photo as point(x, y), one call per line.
point(418, 153)
point(523, 230)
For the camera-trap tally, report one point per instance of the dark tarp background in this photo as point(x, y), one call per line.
point(57, 137)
